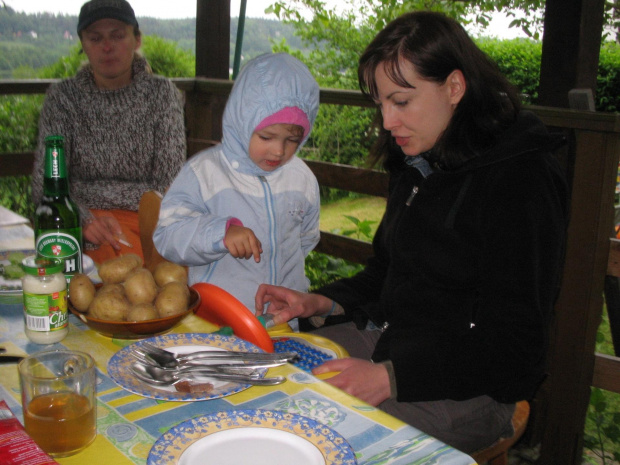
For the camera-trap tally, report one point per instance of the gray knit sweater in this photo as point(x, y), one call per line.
point(118, 143)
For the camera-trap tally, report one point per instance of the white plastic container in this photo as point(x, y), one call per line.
point(45, 301)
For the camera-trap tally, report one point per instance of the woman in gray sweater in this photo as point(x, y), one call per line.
point(123, 128)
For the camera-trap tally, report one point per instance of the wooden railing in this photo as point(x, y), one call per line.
point(590, 160)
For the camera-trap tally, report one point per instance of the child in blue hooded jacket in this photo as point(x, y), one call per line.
point(246, 212)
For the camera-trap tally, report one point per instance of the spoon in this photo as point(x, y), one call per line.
point(159, 376)
point(222, 364)
point(184, 368)
point(166, 358)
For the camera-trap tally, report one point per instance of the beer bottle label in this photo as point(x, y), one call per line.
point(55, 166)
point(64, 246)
point(46, 312)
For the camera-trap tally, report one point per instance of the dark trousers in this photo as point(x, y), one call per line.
point(467, 425)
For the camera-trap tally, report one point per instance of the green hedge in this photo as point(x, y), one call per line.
point(519, 59)
point(608, 81)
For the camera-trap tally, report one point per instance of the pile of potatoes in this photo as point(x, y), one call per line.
point(131, 292)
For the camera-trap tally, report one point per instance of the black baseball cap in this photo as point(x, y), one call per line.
point(101, 9)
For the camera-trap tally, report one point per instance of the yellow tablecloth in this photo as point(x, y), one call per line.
point(128, 424)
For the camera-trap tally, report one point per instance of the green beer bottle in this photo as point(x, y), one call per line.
point(58, 232)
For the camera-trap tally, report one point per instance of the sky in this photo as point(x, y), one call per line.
point(168, 9)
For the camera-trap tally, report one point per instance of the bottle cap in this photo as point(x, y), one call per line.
point(54, 138)
point(41, 266)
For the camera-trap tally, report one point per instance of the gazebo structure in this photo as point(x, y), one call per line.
point(571, 44)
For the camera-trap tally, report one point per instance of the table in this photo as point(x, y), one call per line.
point(129, 424)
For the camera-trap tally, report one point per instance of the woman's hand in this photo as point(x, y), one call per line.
point(365, 380)
point(241, 242)
point(103, 230)
point(286, 304)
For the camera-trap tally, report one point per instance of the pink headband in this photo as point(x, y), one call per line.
point(288, 115)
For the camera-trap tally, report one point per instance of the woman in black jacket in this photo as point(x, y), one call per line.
point(452, 313)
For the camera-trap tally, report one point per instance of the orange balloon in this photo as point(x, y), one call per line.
point(223, 309)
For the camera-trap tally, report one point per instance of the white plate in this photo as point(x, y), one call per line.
point(14, 286)
point(119, 371)
point(251, 437)
point(259, 444)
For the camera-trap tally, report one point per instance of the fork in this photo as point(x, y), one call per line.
point(238, 368)
point(159, 376)
point(166, 358)
point(221, 362)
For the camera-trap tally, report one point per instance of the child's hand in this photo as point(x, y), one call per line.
point(242, 243)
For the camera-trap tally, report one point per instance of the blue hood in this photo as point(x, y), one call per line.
point(265, 85)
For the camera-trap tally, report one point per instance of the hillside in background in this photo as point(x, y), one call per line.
point(29, 42)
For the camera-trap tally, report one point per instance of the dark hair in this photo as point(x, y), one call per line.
point(436, 46)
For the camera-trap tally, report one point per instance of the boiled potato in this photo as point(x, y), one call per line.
point(142, 312)
point(140, 287)
point(111, 288)
point(81, 292)
point(172, 299)
point(166, 272)
point(117, 269)
point(109, 306)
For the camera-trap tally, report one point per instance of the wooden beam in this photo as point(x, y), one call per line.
point(350, 178)
point(570, 50)
point(565, 395)
point(213, 38)
point(16, 164)
point(606, 373)
point(350, 249)
point(25, 86)
point(613, 261)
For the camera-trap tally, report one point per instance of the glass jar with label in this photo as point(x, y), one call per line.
point(45, 300)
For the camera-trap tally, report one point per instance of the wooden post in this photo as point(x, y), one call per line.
point(571, 48)
point(204, 111)
point(213, 38)
point(563, 400)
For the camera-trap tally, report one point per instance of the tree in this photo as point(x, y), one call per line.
point(334, 40)
point(337, 36)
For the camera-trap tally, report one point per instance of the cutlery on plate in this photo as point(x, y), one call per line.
point(237, 368)
point(166, 358)
point(164, 377)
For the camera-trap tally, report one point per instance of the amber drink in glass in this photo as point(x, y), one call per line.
point(59, 400)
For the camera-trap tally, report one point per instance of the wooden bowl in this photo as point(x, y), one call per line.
point(136, 329)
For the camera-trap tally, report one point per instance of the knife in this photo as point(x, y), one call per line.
point(9, 359)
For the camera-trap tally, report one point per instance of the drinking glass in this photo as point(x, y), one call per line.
point(59, 401)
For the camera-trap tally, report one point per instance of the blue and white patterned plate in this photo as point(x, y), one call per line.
point(119, 371)
point(254, 437)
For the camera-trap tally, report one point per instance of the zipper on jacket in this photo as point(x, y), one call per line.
point(473, 316)
point(273, 272)
point(414, 191)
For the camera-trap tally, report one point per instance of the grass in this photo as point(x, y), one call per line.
point(333, 214)
point(602, 434)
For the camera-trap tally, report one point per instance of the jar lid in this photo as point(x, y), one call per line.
point(41, 266)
